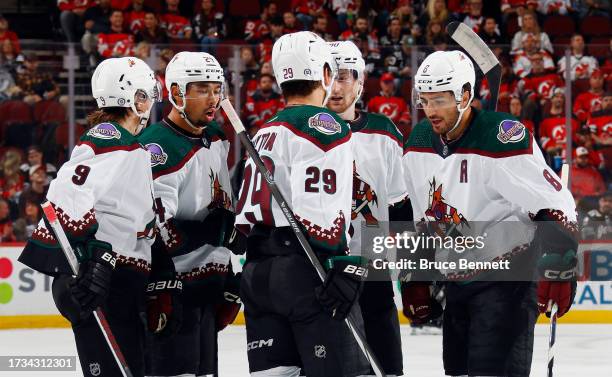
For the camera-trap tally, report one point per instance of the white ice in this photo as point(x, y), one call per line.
point(582, 350)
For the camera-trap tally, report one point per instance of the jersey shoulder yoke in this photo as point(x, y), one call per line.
point(109, 137)
point(379, 123)
point(497, 134)
point(319, 125)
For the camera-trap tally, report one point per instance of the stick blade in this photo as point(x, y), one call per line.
point(475, 47)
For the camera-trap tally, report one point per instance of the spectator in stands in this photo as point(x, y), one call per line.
point(265, 46)
point(177, 26)
point(511, 8)
point(474, 18)
point(11, 181)
point(537, 88)
point(134, 16)
point(35, 157)
point(507, 88)
point(263, 104)
point(8, 35)
point(33, 83)
point(435, 31)
point(6, 225)
point(600, 122)
point(581, 66)
point(490, 34)
point(523, 57)
point(117, 41)
point(319, 27)
point(597, 224)
point(9, 57)
point(593, 8)
point(32, 215)
point(7, 83)
point(590, 101)
point(256, 30)
point(404, 13)
point(250, 74)
point(586, 180)
point(387, 103)
point(152, 32)
point(290, 22)
point(516, 109)
point(307, 10)
point(584, 138)
point(72, 17)
point(36, 190)
point(343, 9)
point(436, 11)
point(97, 18)
point(553, 135)
point(363, 37)
point(549, 7)
point(394, 48)
point(209, 27)
point(530, 26)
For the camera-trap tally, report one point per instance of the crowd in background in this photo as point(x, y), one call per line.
point(529, 37)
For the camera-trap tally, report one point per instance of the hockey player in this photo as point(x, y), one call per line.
point(293, 321)
point(104, 200)
point(378, 182)
point(482, 169)
point(195, 216)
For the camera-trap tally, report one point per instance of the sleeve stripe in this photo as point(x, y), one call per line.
point(312, 139)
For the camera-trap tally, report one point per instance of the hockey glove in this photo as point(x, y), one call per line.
point(342, 286)
point(419, 306)
point(164, 307)
point(76, 297)
point(558, 282)
point(229, 306)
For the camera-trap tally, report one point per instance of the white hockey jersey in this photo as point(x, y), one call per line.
point(190, 179)
point(493, 180)
point(308, 151)
point(104, 190)
point(378, 175)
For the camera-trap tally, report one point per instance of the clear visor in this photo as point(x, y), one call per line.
point(198, 91)
point(346, 76)
point(152, 94)
point(433, 100)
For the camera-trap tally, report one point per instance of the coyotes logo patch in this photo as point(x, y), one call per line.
point(439, 211)
point(363, 197)
point(218, 197)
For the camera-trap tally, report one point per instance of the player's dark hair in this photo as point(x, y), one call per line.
point(301, 88)
point(107, 114)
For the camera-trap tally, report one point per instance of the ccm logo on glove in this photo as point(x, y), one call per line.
point(559, 275)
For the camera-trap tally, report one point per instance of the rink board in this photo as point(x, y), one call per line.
point(26, 302)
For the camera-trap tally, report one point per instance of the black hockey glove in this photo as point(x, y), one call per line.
point(228, 306)
point(342, 286)
point(76, 297)
point(164, 307)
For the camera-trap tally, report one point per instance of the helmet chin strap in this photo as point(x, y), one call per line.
point(461, 111)
point(328, 89)
point(351, 107)
point(143, 117)
point(181, 109)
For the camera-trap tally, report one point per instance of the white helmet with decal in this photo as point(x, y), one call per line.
point(348, 56)
point(121, 82)
point(445, 71)
point(302, 56)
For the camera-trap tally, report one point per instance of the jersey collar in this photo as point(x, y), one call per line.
point(446, 148)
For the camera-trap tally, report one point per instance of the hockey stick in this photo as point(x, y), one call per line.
point(60, 235)
point(481, 54)
point(554, 307)
point(280, 200)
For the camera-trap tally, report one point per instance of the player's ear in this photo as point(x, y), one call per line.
point(465, 97)
point(175, 93)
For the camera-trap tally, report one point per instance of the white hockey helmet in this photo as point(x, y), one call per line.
point(120, 82)
point(302, 56)
point(445, 71)
point(186, 67)
point(348, 56)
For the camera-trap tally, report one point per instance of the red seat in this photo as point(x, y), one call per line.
point(247, 8)
point(560, 44)
point(591, 26)
point(599, 47)
point(49, 111)
point(406, 90)
point(557, 25)
point(371, 88)
point(512, 26)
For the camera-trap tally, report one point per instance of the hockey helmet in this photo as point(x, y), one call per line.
point(302, 56)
